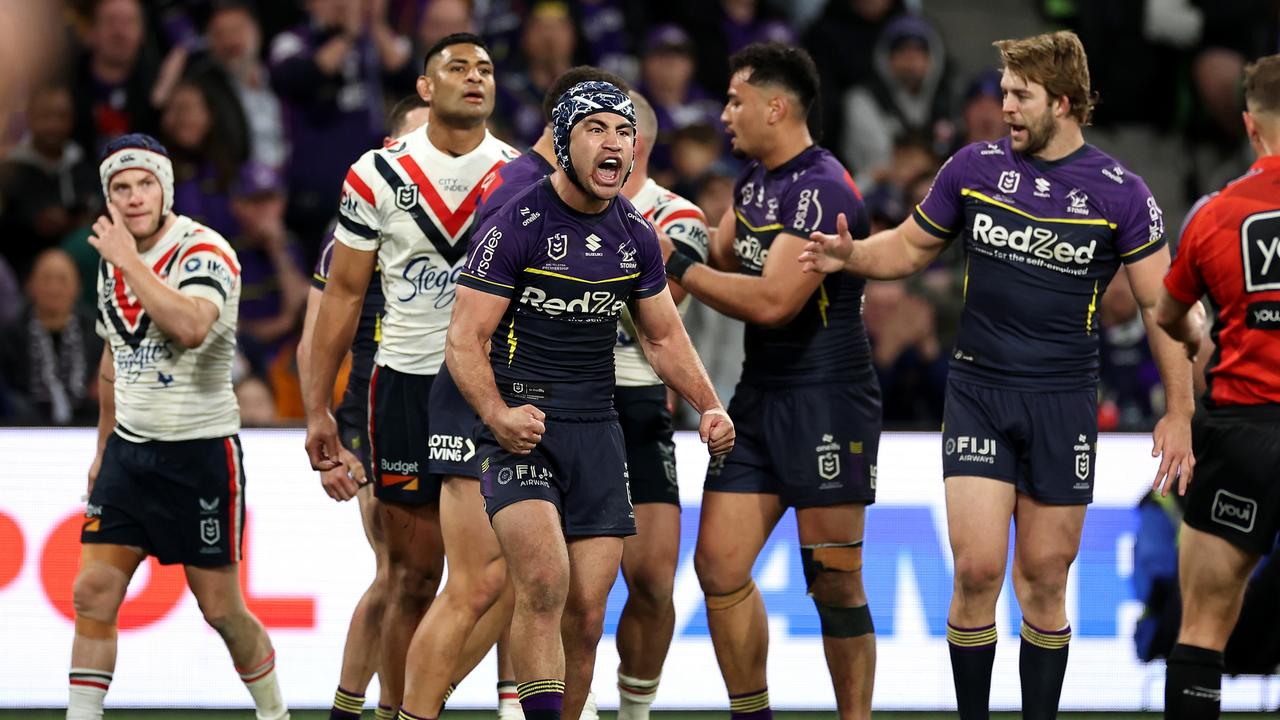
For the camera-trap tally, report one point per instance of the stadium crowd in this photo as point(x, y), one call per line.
point(264, 105)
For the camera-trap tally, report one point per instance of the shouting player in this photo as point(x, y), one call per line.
point(808, 403)
point(1047, 220)
point(544, 287)
point(162, 485)
point(415, 227)
point(1228, 252)
point(363, 645)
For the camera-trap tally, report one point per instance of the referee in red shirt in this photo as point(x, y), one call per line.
point(1229, 252)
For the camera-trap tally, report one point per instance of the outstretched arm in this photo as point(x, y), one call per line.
point(886, 255)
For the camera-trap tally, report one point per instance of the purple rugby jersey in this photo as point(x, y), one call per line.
point(568, 275)
point(1042, 240)
point(826, 342)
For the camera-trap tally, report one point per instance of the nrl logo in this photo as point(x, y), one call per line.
point(210, 531)
point(557, 246)
point(406, 196)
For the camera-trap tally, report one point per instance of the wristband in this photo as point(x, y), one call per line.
point(678, 264)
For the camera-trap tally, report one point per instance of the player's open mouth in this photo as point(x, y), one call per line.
point(608, 172)
point(474, 97)
point(1017, 132)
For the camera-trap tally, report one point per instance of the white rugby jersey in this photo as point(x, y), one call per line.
point(164, 391)
point(414, 205)
point(686, 225)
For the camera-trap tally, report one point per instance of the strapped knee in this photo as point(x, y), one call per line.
point(844, 622)
point(728, 600)
point(829, 557)
point(836, 622)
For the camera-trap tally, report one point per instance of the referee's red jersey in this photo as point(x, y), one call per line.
point(1230, 251)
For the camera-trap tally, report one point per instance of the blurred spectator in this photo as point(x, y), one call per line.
point(982, 115)
point(907, 95)
point(10, 294)
point(694, 151)
point(49, 356)
point(842, 42)
point(725, 27)
point(329, 72)
point(257, 406)
point(207, 140)
point(667, 81)
point(548, 46)
point(888, 198)
point(910, 361)
point(273, 287)
point(715, 197)
point(235, 44)
point(47, 184)
point(1131, 396)
point(608, 29)
point(113, 79)
point(441, 18)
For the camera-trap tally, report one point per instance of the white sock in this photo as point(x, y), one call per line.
point(635, 696)
point(265, 689)
point(88, 690)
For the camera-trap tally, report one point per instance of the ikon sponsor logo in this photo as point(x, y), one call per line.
point(1234, 511)
point(599, 302)
point(1030, 240)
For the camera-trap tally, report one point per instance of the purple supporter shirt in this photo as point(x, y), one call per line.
point(1042, 241)
point(568, 275)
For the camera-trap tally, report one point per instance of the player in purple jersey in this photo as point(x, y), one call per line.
point(1046, 220)
point(500, 186)
point(808, 405)
point(545, 283)
point(361, 650)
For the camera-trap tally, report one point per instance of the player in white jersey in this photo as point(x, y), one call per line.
point(650, 556)
point(407, 208)
point(363, 646)
point(168, 478)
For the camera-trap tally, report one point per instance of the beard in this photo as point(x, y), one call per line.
point(1040, 133)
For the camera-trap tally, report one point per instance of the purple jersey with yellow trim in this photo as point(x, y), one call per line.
point(826, 341)
point(568, 275)
point(1042, 241)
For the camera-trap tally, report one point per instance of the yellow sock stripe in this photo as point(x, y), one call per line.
point(972, 638)
point(348, 703)
point(750, 703)
point(537, 687)
point(448, 692)
point(384, 713)
point(1045, 640)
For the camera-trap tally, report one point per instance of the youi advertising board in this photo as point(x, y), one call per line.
point(306, 563)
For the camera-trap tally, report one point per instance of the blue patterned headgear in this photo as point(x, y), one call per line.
point(578, 102)
point(138, 151)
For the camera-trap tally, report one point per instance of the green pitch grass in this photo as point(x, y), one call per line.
point(604, 715)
